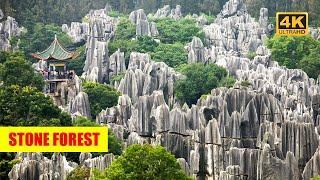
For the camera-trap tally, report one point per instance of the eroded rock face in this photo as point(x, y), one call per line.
point(166, 11)
point(264, 130)
point(196, 50)
point(100, 162)
point(145, 76)
point(143, 27)
point(36, 166)
point(8, 29)
point(80, 105)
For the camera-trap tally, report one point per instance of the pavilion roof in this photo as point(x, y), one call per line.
point(55, 52)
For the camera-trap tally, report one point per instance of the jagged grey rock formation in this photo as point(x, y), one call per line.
point(8, 29)
point(314, 32)
point(77, 31)
point(196, 50)
point(267, 130)
point(1, 14)
point(35, 166)
point(96, 31)
point(80, 105)
point(100, 162)
point(116, 64)
point(145, 76)
point(312, 167)
point(166, 11)
point(95, 68)
point(143, 27)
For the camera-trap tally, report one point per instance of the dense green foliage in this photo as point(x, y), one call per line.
point(274, 6)
point(172, 54)
point(21, 101)
point(172, 35)
point(144, 162)
point(66, 11)
point(311, 63)
point(39, 37)
point(15, 70)
point(7, 161)
point(183, 30)
point(297, 52)
point(78, 173)
point(78, 63)
point(199, 79)
point(26, 106)
point(100, 96)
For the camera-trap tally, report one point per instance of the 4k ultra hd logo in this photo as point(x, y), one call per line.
point(292, 24)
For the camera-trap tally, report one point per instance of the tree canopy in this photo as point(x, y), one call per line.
point(199, 79)
point(39, 37)
point(172, 54)
point(100, 96)
point(296, 52)
point(26, 106)
point(145, 162)
point(15, 70)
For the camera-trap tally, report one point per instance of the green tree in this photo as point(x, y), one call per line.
point(78, 63)
point(296, 52)
point(39, 37)
point(100, 96)
point(172, 54)
point(311, 63)
point(199, 79)
point(78, 173)
point(145, 162)
point(7, 161)
point(16, 71)
point(26, 106)
point(125, 29)
point(183, 30)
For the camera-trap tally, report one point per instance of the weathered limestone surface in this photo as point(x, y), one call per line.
point(268, 130)
point(196, 50)
point(166, 11)
point(35, 166)
point(100, 162)
point(143, 27)
point(80, 105)
point(8, 29)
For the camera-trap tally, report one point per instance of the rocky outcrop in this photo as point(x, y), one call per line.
point(100, 162)
point(312, 168)
point(80, 106)
point(145, 76)
point(143, 27)
point(35, 166)
point(166, 11)
point(265, 130)
point(96, 24)
point(116, 64)
point(8, 29)
point(77, 31)
point(196, 50)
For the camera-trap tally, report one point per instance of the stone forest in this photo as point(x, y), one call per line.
point(224, 97)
